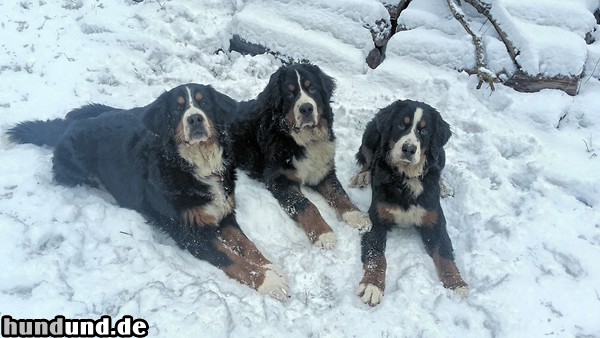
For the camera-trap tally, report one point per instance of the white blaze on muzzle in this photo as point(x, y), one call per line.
point(407, 149)
point(305, 108)
point(195, 123)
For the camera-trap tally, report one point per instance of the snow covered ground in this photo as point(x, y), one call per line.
point(525, 168)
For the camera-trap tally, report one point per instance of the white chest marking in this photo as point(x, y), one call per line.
point(221, 205)
point(206, 159)
point(407, 218)
point(414, 185)
point(317, 163)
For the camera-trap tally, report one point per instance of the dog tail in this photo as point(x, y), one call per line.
point(38, 132)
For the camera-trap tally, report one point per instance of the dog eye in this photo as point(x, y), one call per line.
point(402, 126)
point(312, 89)
point(291, 95)
point(423, 131)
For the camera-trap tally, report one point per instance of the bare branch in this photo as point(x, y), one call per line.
point(483, 73)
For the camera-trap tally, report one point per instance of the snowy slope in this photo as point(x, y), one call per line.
point(524, 218)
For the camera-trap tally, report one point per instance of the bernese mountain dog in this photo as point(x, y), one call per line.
point(284, 138)
point(171, 162)
point(402, 157)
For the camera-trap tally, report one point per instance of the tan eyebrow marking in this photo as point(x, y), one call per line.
point(306, 83)
point(422, 124)
point(181, 100)
point(198, 96)
point(407, 120)
point(292, 87)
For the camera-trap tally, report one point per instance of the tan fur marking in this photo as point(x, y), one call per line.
point(407, 120)
point(402, 217)
point(179, 134)
point(292, 88)
point(181, 100)
point(448, 272)
point(292, 175)
point(197, 216)
point(374, 272)
point(237, 241)
point(422, 124)
point(306, 83)
point(198, 96)
point(312, 223)
point(430, 219)
point(240, 269)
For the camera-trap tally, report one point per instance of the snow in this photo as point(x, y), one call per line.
point(524, 217)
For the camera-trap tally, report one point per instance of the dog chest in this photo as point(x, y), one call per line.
point(317, 163)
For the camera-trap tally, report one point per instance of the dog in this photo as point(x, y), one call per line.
point(285, 139)
point(402, 157)
point(171, 162)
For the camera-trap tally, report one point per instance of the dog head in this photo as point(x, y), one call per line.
point(189, 114)
point(412, 134)
point(298, 97)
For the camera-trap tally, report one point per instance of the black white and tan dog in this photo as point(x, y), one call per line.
point(284, 138)
point(171, 162)
point(402, 157)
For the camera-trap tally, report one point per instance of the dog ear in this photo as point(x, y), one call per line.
point(327, 82)
point(441, 134)
point(156, 118)
point(271, 96)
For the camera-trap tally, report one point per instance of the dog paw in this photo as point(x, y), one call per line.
point(446, 190)
point(361, 180)
point(369, 294)
point(326, 241)
point(358, 220)
point(462, 292)
point(275, 286)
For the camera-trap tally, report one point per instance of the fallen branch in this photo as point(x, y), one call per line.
point(484, 74)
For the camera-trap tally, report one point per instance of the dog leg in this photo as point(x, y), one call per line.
point(439, 247)
point(371, 287)
point(331, 188)
point(232, 235)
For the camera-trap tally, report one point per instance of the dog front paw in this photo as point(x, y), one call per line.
point(357, 219)
point(361, 180)
point(369, 294)
point(275, 285)
point(326, 241)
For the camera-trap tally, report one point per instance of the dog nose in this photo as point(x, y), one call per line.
point(409, 149)
point(195, 119)
point(306, 109)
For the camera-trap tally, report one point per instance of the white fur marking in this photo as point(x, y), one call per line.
point(189, 112)
point(275, 286)
point(414, 185)
point(326, 241)
point(220, 206)
point(371, 295)
point(317, 163)
point(407, 218)
point(206, 159)
point(410, 138)
point(358, 220)
point(304, 98)
point(462, 292)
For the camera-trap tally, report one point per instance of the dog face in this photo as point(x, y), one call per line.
point(413, 133)
point(299, 95)
point(188, 115)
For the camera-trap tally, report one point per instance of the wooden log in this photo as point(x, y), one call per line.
point(523, 82)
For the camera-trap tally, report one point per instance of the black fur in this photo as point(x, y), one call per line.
point(391, 188)
point(134, 155)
